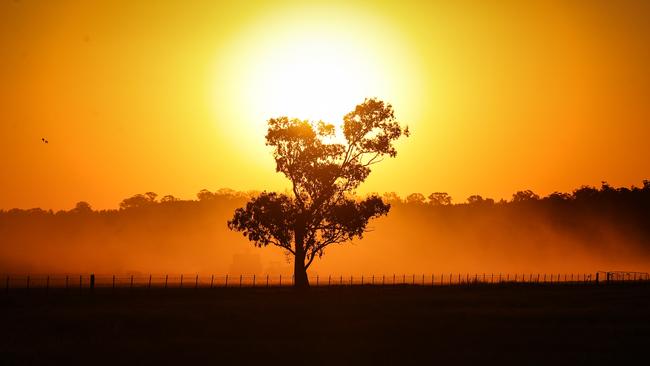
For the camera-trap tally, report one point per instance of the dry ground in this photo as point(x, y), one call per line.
point(504, 324)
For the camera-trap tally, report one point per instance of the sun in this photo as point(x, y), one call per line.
point(308, 62)
point(306, 65)
point(313, 76)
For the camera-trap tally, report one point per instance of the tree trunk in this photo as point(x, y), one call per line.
point(301, 281)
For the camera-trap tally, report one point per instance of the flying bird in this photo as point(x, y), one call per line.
point(44, 140)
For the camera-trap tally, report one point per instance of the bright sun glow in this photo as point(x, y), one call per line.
point(316, 68)
point(314, 77)
point(309, 62)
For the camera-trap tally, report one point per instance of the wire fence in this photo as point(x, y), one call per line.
point(85, 281)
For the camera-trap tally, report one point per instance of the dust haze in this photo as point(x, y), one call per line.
point(588, 230)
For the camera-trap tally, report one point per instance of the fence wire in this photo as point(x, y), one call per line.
point(70, 281)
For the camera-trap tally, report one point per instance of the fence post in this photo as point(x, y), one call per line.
point(341, 281)
point(393, 279)
point(361, 280)
point(196, 282)
point(267, 280)
point(181, 281)
point(413, 281)
point(329, 280)
point(317, 278)
point(240, 278)
point(166, 278)
point(114, 282)
point(254, 280)
point(350, 280)
point(149, 284)
point(92, 282)
point(373, 279)
point(403, 279)
point(131, 281)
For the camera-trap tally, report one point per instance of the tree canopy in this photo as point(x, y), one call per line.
point(324, 173)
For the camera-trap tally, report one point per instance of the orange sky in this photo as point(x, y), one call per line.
point(172, 98)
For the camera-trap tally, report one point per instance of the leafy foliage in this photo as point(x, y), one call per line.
point(324, 174)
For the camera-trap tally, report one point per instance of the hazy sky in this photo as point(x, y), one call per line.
point(172, 98)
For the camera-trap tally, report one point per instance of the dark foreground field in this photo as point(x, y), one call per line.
point(524, 325)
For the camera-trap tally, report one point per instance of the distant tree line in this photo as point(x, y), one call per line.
point(149, 232)
point(634, 198)
point(584, 194)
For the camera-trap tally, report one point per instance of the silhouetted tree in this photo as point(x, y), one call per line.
point(205, 195)
point(392, 197)
point(558, 197)
point(478, 200)
point(474, 199)
point(168, 199)
point(585, 193)
point(524, 196)
point(417, 198)
point(323, 173)
point(82, 207)
point(139, 201)
point(439, 199)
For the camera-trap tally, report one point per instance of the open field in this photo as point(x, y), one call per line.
point(499, 324)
